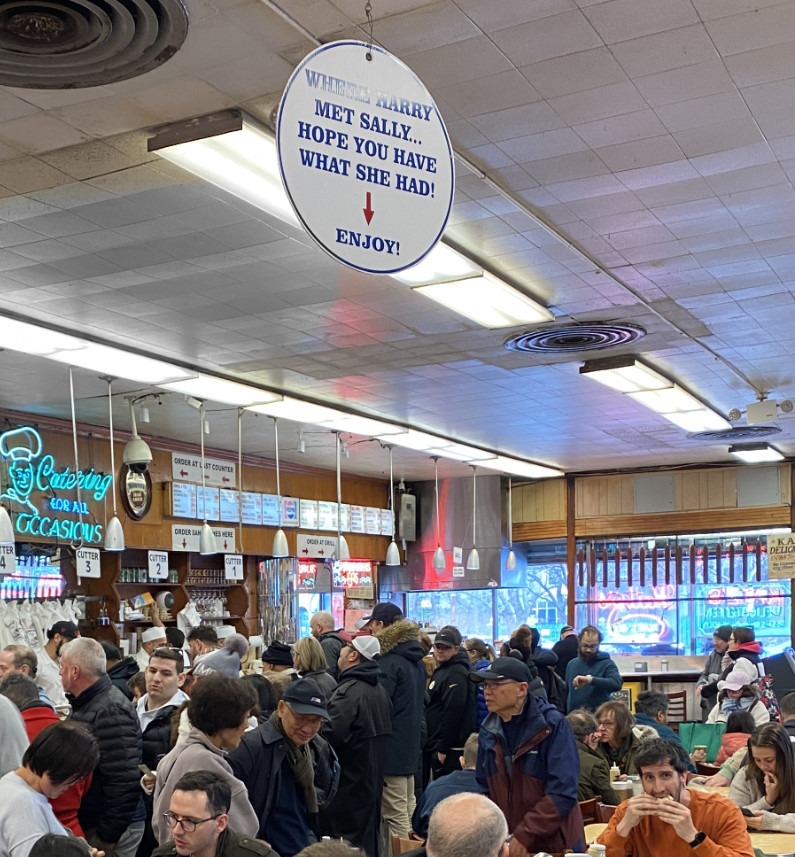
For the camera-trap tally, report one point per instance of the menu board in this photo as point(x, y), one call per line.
point(252, 508)
point(308, 514)
point(229, 507)
point(345, 515)
point(372, 521)
point(327, 515)
point(210, 508)
point(357, 519)
point(183, 500)
point(386, 522)
point(270, 510)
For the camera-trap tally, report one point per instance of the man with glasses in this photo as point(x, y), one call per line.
point(199, 823)
point(290, 772)
point(592, 676)
point(528, 763)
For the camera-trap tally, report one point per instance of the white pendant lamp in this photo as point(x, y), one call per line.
point(280, 539)
point(439, 562)
point(392, 552)
point(6, 527)
point(473, 560)
point(510, 560)
point(207, 545)
point(114, 534)
point(343, 552)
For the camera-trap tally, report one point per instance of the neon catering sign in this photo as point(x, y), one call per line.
point(31, 472)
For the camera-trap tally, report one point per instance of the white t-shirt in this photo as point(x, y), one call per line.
point(48, 677)
point(25, 816)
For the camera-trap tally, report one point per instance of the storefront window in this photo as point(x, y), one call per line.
point(666, 596)
point(470, 610)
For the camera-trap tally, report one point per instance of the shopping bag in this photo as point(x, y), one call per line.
point(693, 733)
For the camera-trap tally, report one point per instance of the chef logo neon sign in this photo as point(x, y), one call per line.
point(29, 472)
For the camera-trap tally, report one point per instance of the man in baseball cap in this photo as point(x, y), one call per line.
point(361, 723)
point(49, 672)
point(384, 614)
point(538, 794)
point(287, 768)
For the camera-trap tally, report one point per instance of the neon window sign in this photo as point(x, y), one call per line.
point(31, 473)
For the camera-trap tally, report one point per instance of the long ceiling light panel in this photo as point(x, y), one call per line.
point(635, 379)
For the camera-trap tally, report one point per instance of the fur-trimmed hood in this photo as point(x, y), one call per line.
point(402, 631)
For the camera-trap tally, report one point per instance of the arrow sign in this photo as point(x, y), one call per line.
point(368, 210)
point(183, 473)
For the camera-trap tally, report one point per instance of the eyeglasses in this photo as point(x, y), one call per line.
point(506, 846)
point(187, 824)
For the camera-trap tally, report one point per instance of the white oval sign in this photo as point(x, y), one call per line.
point(365, 157)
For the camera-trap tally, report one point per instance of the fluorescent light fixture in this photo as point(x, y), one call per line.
point(214, 389)
point(442, 263)
point(460, 451)
point(233, 153)
point(755, 453)
point(414, 439)
point(649, 388)
point(32, 339)
point(362, 425)
point(123, 364)
point(488, 301)
point(296, 410)
point(625, 374)
point(516, 467)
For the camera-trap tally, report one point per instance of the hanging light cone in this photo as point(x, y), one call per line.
point(510, 561)
point(6, 528)
point(392, 554)
point(114, 535)
point(344, 551)
point(473, 560)
point(439, 561)
point(280, 544)
point(207, 543)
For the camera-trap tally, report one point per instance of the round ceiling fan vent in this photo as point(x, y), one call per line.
point(566, 338)
point(736, 433)
point(71, 44)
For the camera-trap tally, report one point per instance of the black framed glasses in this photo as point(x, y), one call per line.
point(187, 824)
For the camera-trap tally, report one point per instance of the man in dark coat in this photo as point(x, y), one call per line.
point(359, 728)
point(322, 627)
point(567, 648)
point(289, 770)
point(451, 709)
point(403, 678)
point(528, 762)
point(111, 812)
point(592, 676)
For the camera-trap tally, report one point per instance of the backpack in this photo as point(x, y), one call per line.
point(557, 690)
point(767, 696)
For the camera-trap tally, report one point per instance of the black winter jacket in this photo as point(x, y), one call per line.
point(332, 646)
point(113, 796)
point(359, 729)
point(157, 735)
point(451, 711)
point(403, 678)
point(122, 672)
point(257, 761)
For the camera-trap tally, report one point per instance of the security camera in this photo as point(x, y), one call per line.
point(137, 455)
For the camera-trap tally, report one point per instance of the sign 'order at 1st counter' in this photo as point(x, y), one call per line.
point(365, 157)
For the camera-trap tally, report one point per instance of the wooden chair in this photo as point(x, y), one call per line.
point(677, 708)
point(588, 809)
point(403, 846)
point(705, 770)
point(604, 812)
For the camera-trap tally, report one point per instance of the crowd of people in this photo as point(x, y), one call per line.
point(341, 740)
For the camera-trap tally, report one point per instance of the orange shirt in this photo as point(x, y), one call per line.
point(713, 814)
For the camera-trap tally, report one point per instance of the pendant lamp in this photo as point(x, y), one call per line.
point(510, 560)
point(343, 552)
point(207, 543)
point(114, 534)
point(392, 552)
point(473, 560)
point(280, 539)
point(439, 562)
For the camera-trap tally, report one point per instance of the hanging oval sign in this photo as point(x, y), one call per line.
point(136, 492)
point(365, 157)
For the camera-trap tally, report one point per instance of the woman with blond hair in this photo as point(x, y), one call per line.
point(310, 661)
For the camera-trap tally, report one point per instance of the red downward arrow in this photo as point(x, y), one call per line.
point(184, 543)
point(368, 209)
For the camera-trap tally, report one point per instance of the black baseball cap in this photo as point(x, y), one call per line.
point(504, 668)
point(68, 630)
point(385, 612)
point(448, 636)
point(305, 697)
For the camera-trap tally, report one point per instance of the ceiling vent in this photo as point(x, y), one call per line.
point(736, 433)
point(568, 338)
point(70, 44)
